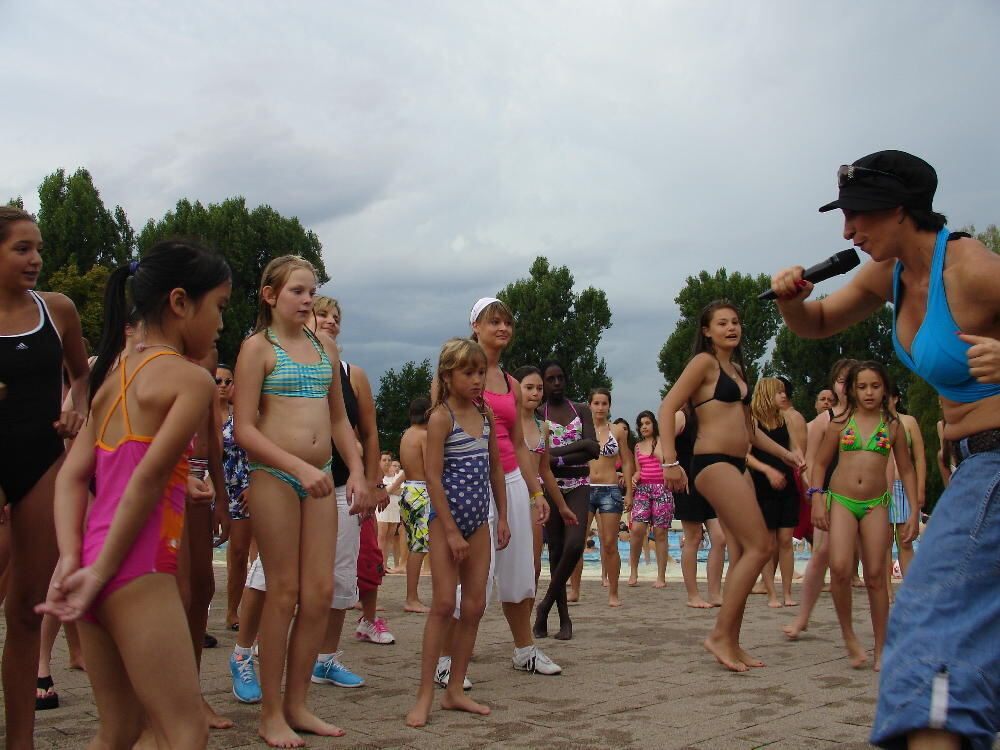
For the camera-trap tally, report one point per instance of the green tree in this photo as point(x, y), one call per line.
point(249, 239)
point(87, 292)
point(760, 318)
point(554, 321)
point(806, 362)
point(989, 237)
point(78, 230)
point(392, 402)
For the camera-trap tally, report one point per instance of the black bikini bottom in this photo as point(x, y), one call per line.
point(701, 461)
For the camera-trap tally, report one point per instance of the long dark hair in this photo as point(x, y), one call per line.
point(851, 398)
point(703, 343)
point(138, 292)
point(656, 426)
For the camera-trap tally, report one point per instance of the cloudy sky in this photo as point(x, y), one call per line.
point(437, 147)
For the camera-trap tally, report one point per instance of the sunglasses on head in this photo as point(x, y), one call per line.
point(220, 381)
point(848, 172)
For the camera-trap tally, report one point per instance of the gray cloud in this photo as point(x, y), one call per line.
point(437, 148)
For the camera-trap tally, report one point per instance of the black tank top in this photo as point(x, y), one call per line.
point(780, 436)
point(338, 468)
point(31, 368)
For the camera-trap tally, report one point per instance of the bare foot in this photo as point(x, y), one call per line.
point(796, 575)
point(76, 662)
point(794, 630)
point(565, 631)
point(774, 603)
point(698, 603)
point(604, 582)
point(749, 660)
point(146, 741)
point(614, 601)
point(277, 733)
point(790, 602)
point(715, 601)
point(418, 606)
point(420, 712)
point(462, 702)
point(857, 583)
point(726, 656)
point(758, 589)
point(855, 653)
point(396, 571)
point(541, 627)
point(877, 666)
point(633, 580)
point(214, 720)
point(660, 585)
point(826, 589)
point(305, 721)
point(573, 595)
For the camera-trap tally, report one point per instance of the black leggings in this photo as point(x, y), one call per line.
point(566, 544)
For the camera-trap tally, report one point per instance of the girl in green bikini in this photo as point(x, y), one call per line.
point(864, 434)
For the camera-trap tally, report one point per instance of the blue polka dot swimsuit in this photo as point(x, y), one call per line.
point(466, 476)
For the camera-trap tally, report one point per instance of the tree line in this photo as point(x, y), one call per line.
point(84, 241)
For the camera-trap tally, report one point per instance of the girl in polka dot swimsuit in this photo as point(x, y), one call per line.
point(462, 466)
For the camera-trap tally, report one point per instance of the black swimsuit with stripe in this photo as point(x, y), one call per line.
point(31, 369)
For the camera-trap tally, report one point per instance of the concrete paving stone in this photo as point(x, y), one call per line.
point(635, 677)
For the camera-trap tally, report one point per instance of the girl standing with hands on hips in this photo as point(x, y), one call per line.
point(117, 569)
point(462, 463)
point(715, 380)
point(861, 471)
point(282, 373)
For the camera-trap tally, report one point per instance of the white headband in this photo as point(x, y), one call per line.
point(479, 307)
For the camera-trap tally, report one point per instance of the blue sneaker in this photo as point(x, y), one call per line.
point(333, 672)
point(246, 687)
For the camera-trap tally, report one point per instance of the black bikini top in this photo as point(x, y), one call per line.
point(727, 390)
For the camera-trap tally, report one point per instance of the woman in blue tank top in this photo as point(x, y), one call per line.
point(946, 328)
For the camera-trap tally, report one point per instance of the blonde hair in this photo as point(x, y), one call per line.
point(455, 354)
point(322, 304)
point(494, 309)
point(763, 407)
point(276, 275)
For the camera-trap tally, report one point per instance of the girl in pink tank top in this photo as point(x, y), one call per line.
point(652, 502)
point(117, 574)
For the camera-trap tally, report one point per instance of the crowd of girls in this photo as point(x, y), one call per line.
point(488, 461)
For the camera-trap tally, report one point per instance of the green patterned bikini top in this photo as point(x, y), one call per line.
point(877, 443)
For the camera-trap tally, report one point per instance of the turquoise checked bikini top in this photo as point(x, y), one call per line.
point(878, 442)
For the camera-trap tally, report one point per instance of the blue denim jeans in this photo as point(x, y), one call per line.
point(606, 498)
point(941, 664)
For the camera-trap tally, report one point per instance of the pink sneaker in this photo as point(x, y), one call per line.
point(374, 632)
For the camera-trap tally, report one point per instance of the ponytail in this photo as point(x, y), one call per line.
point(116, 317)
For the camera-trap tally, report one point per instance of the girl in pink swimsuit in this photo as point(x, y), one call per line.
point(117, 574)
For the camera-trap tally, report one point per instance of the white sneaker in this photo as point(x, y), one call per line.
point(374, 632)
point(533, 660)
point(443, 674)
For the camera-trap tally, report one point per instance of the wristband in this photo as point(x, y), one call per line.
point(559, 461)
point(813, 490)
point(537, 494)
point(671, 465)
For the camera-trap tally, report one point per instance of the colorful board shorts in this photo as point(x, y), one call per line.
point(941, 664)
point(414, 508)
point(653, 504)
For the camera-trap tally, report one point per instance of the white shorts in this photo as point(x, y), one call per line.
point(345, 571)
point(515, 564)
point(391, 512)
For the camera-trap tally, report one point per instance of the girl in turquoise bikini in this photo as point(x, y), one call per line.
point(864, 434)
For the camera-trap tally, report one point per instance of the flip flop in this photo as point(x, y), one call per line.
point(50, 699)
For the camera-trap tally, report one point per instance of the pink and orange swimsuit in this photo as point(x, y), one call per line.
point(155, 547)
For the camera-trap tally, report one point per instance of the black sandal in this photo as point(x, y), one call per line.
point(50, 699)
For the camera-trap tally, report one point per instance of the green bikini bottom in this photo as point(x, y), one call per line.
point(858, 507)
point(288, 479)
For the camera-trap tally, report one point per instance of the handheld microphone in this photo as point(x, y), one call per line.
point(835, 265)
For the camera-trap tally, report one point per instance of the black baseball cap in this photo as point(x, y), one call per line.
point(885, 179)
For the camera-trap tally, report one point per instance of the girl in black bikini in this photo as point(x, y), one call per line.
point(714, 379)
point(574, 443)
